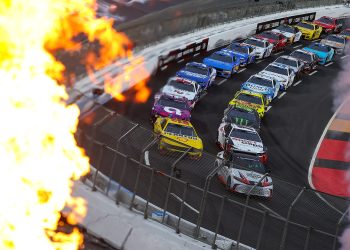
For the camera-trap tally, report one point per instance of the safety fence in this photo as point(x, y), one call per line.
point(127, 154)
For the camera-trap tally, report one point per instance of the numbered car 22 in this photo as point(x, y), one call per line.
point(309, 59)
point(243, 116)
point(309, 30)
point(250, 99)
point(329, 24)
point(281, 73)
point(241, 172)
point(262, 47)
point(198, 72)
point(245, 53)
point(324, 52)
point(225, 64)
point(165, 106)
point(291, 33)
point(337, 42)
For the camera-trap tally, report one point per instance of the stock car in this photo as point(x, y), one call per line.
point(178, 136)
point(324, 52)
point(282, 74)
point(239, 173)
point(166, 106)
point(309, 59)
point(337, 42)
point(225, 64)
point(251, 100)
point(291, 33)
point(329, 24)
point(262, 85)
point(245, 53)
point(310, 31)
point(243, 116)
point(262, 47)
point(181, 89)
point(345, 33)
point(293, 63)
point(278, 40)
point(233, 138)
point(198, 72)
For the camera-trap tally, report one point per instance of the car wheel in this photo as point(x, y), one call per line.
point(228, 184)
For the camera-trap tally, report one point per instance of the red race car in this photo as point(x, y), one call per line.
point(278, 40)
point(329, 24)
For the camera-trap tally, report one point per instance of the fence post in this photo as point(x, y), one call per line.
point(284, 235)
point(223, 199)
point(99, 163)
point(245, 211)
point(126, 158)
point(115, 156)
point(261, 230)
point(306, 246)
point(182, 207)
point(145, 215)
point(337, 229)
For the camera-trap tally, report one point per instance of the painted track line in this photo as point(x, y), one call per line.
point(260, 61)
point(271, 211)
point(202, 96)
point(185, 203)
point(268, 108)
point(313, 72)
point(221, 82)
point(147, 158)
point(197, 54)
point(344, 56)
point(297, 46)
point(328, 64)
point(180, 61)
point(278, 53)
point(281, 95)
point(241, 70)
point(297, 83)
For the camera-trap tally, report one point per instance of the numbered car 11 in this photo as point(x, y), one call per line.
point(233, 138)
point(345, 33)
point(324, 52)
point(165, 106)
point(181, 89)
point(309, 30)
point(295, 64)
point(250, 99)
point(262, 85)
point(262, 47)
point(282, 74)
point(243, 116)
point(291, 33)
point(309, 59)
point(178, 136)
point(329, 24)
point(244, 174)
point(278, 40)
point(226, 64)
point(337, 42)
point(245, 53)
point(198, 72)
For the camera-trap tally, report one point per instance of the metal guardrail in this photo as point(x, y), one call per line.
point(295, 218)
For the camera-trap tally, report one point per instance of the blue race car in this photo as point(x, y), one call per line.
point(262, 85)
point(323, 52)
point(245, 53)
point(226, 64)
point(199, 73)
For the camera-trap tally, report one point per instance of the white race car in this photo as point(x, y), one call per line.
point(281, 73)
point(235, 138)
point(292, 62)
point(181, 89)
point(337, 42)
point(291, 33)
point(262, 47)
point(240, 173)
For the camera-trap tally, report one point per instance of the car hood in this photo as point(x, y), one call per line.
point(245, 145)
point(177, 93)
point(182, 141)
point(171, 112)
point(193, 76)
point(257, 88)
point(252, 176)
point(217, 64)
point(277, 77)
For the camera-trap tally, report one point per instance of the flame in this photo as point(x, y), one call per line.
point(39, 156)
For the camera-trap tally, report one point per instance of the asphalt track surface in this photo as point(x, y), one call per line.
point(290, 129)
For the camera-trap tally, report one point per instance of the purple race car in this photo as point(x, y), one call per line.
point(165, 106)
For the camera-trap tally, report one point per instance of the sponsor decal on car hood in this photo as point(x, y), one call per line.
point(247, 145)
point(171, 112)
point(171, 91)
point(277, 77)
point(193, 76)
point(257, 88)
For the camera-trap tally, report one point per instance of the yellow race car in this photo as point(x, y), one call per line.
point(310, 31)
point(249, 99)
point(178, 136)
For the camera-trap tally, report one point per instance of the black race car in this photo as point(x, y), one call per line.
point(243, 116)
point(309, 59)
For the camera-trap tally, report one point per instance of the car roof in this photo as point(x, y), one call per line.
point(334, 35)
point(247, 92)
point(304, 51)
point(220, 52)
point(261, 76)
point(241, 108)
point(279, 65)
point(288, 58)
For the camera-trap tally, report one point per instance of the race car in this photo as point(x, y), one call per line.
point(310, 31)
point(198, 72)
point(337, 42)
point(324, 52)
point(345, 33)
point(165, 106)
point(233, 138)
point(239, 173)
point(181, 89)
point(242, 115)
point(282, 74)
point(262, 48)
point(292, 34)
point(329, 24)
point(251, 100)
point(262, 85)
point(245, 53)
point(278, 40)
point(309, 59)
point(225, 64)
point(178, 136)
point(292, 62)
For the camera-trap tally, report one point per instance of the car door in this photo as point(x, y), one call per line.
point(276, 87)
point(318, 30)
point(338, 25)
point(212, 75)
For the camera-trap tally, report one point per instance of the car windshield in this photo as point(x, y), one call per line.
point(221, 57)
point(337, 39)
point(287, 61)
point(254, 42)
point(261, 81)
point(197, 70)
point(319, 47)
point(269, 35)
point(325, 20)
point(249, 164)
point(345, 32)
point(306, 26)
point(277, 70)
point(286, 28)
point(245, 134)
point(171, 103)
point(249, 98)
point(181, 86)
point(302, 56)
point(241, 117)
point(181, 130)
point(237, 48)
